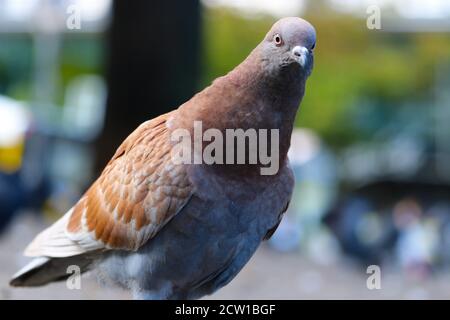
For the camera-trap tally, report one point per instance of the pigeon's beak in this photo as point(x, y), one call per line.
point(301, 55)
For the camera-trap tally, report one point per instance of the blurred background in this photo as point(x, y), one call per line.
point(371, 151)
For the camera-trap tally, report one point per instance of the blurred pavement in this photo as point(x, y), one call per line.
point(269, 275)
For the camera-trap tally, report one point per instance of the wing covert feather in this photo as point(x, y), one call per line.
point(139, 191)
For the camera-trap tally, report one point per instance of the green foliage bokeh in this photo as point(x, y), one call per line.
point(352, 63)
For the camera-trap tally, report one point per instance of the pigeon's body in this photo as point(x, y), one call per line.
point(204, 246)
point(173, 230)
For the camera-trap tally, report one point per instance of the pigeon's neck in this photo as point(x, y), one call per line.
point(280, 88)
point(249, 97)
point(272, 96)
point(284, 80)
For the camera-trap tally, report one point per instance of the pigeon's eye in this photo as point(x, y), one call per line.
point(277, 39)
point(313, 46)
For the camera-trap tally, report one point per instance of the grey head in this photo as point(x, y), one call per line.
point(289, 47)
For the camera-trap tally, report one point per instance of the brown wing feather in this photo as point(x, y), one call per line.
point(139, 191)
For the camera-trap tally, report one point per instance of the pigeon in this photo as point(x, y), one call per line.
point(165, 229)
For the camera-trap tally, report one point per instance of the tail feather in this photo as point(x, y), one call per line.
point(43, 270)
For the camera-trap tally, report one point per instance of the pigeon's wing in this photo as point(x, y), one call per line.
point(139, 191)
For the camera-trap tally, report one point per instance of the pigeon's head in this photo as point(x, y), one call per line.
point(289, 45)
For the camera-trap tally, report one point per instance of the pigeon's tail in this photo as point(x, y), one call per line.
point(43, 270)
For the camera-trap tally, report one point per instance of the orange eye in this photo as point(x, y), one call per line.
point(277, 39)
